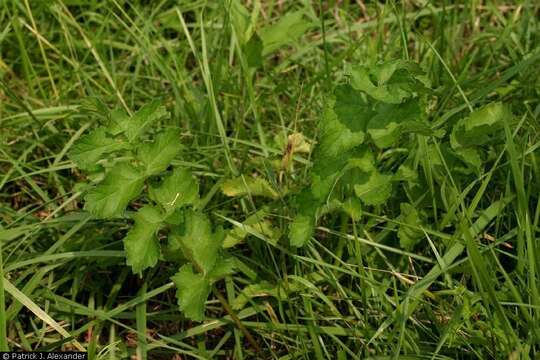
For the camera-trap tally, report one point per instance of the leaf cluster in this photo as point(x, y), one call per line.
point(134, 166)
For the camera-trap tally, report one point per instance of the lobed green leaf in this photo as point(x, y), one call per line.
point(89, 149)
point(111, 197)
point(192, 291)
point(141, 243)
point(176, 190)
point(157, 156)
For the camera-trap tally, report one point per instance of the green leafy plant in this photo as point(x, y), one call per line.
point(132, 165)
point(382, 110)
point(379, 105)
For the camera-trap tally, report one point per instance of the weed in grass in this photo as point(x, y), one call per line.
point(270, 179)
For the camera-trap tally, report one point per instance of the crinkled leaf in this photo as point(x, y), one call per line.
point(348, 117)
point(480, 127)
point(157, 156)
point(342, 132)
point(110, 197)
point(141, 243)
point(198, 243)
point(244, 185)
point(176, 190)
point(192, 291)
point(389, 82)
point(89, 149)
point(410, 233)
point(287, 30)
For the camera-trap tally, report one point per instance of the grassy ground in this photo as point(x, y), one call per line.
point(469, 290)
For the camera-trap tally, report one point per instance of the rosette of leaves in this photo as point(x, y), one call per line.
point(132, 163)
point(374, 110)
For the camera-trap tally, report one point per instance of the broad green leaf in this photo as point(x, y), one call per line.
point(192, 291)
point(117, 122)
point(173, 250)
point(470, 156)
point(387, 125)
point(301, 230)
point(480, 127)
point(342, 162)
point(343, 124)
point(405, 172)
point(372, 187)
point(288, 29)
point(157, 156)
point(253, 51)
point(364, 161)
point(385, 135)
point(342, 134)
point(111, 197)
point(198, 243)
point(375, 190)
point(143, 118)
point(176, 190)
point(222, 268)
point(329, 206)
point(89, 149)
point(141, 243)
point(389, 82)
point(246, 185)
point(351, 108)
point(410, 233)
point(324, 178)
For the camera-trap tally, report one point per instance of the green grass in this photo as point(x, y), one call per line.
point(470, 287)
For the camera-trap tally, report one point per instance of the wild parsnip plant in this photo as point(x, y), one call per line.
point(268, 179)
